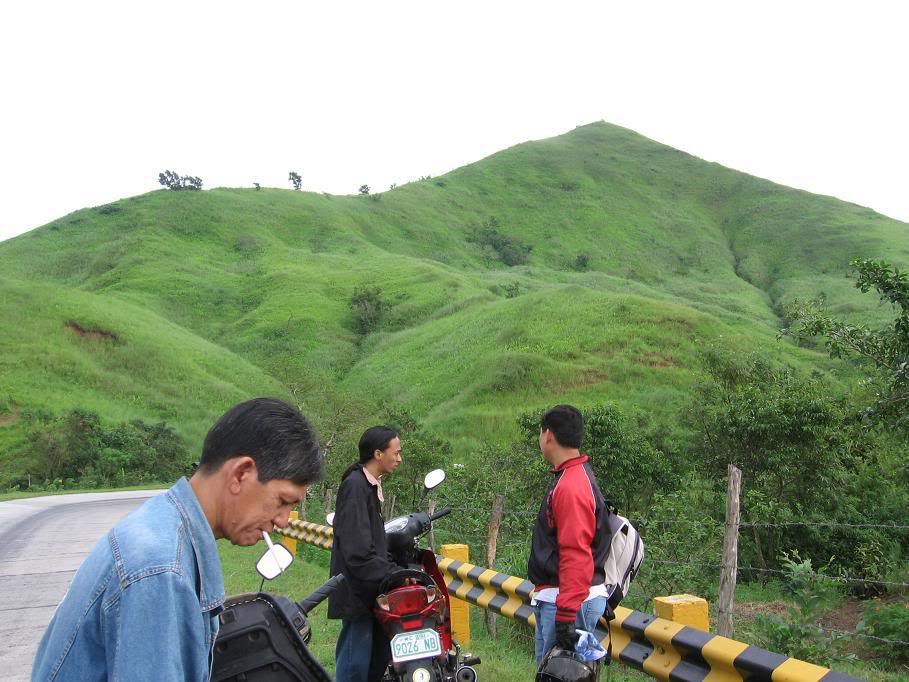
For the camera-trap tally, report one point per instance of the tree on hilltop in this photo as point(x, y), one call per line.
point(364, 190)
point(177, 182)
point(296, 179)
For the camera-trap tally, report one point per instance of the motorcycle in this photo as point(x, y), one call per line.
point(413, 605)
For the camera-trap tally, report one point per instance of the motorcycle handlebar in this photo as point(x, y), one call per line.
point(320, 594)
point(439, 514)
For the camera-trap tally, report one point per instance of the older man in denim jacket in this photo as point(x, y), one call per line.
point(144, 604)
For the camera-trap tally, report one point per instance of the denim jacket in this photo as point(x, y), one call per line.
point(144, 604)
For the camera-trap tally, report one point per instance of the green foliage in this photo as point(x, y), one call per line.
point(772, 423)
point(295, 179)
point(799, 634)
point(506, 248)
point(681, 543)
point(108, 209)
point(76, 447)
point(364, 190)
point(887, 622)
point(368, 307)
point(886, 348)
point(629, 469)
point(803, 460)
point(177, 182)
point(421, 451)
point(581, 262)
point(204, 324)
point(512, 289)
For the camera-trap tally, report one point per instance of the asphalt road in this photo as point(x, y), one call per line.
point(43, 540)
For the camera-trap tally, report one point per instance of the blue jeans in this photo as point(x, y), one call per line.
point(363, 652)
point(588, 616)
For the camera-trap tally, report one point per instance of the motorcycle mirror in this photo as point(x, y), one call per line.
point(433, 479)
point(330, 518)
point(275, 560)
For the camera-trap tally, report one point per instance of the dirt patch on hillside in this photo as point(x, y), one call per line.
point(752, 609)
point(93, 334)
point(844, 618)
point(582, 379)
point(10, 418)
point(654, 359)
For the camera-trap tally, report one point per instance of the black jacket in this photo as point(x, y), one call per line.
point(359, 550)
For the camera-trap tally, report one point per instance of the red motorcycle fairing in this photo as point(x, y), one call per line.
point(407, 607)
point(428, 560)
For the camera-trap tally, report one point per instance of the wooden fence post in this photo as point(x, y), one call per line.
point(389, 507)
point(726, 601)
point(327, 500)
point(495, 522)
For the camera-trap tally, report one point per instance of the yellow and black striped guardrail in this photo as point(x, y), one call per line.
point(310, 533)
point(661, 648)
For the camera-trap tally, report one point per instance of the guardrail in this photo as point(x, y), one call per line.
point(660, 648)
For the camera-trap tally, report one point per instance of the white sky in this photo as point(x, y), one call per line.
point(97, 97)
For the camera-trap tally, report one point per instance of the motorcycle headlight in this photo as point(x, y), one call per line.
point(421, 675)
point(396, 525)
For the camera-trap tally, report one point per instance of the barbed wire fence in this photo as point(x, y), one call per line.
point(510, 535)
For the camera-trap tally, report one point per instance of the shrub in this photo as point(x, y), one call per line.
point(582, 262)
point(510, 250)
point(799, 635)
point(678, 553)
point(245, 243)
point(887, 622)
point(368, 307)
point(513, 289)
point(77, 448)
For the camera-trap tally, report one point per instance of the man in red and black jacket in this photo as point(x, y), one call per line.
point(570, 539)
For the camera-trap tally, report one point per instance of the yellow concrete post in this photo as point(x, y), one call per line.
point(460, 613)
point(685, 609)
point(289, 542)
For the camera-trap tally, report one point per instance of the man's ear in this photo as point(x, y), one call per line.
point(239, 470)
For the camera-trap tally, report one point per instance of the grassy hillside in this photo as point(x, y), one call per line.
point(639, 255)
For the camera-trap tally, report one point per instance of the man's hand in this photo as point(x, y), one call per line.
point(566, 636)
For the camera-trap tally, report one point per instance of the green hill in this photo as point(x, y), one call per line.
point(626, 257)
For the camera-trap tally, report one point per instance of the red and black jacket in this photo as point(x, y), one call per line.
point(571, 537)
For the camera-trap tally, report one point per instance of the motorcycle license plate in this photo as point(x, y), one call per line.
point(407, 646)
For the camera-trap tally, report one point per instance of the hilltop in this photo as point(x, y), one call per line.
point(591, 266)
